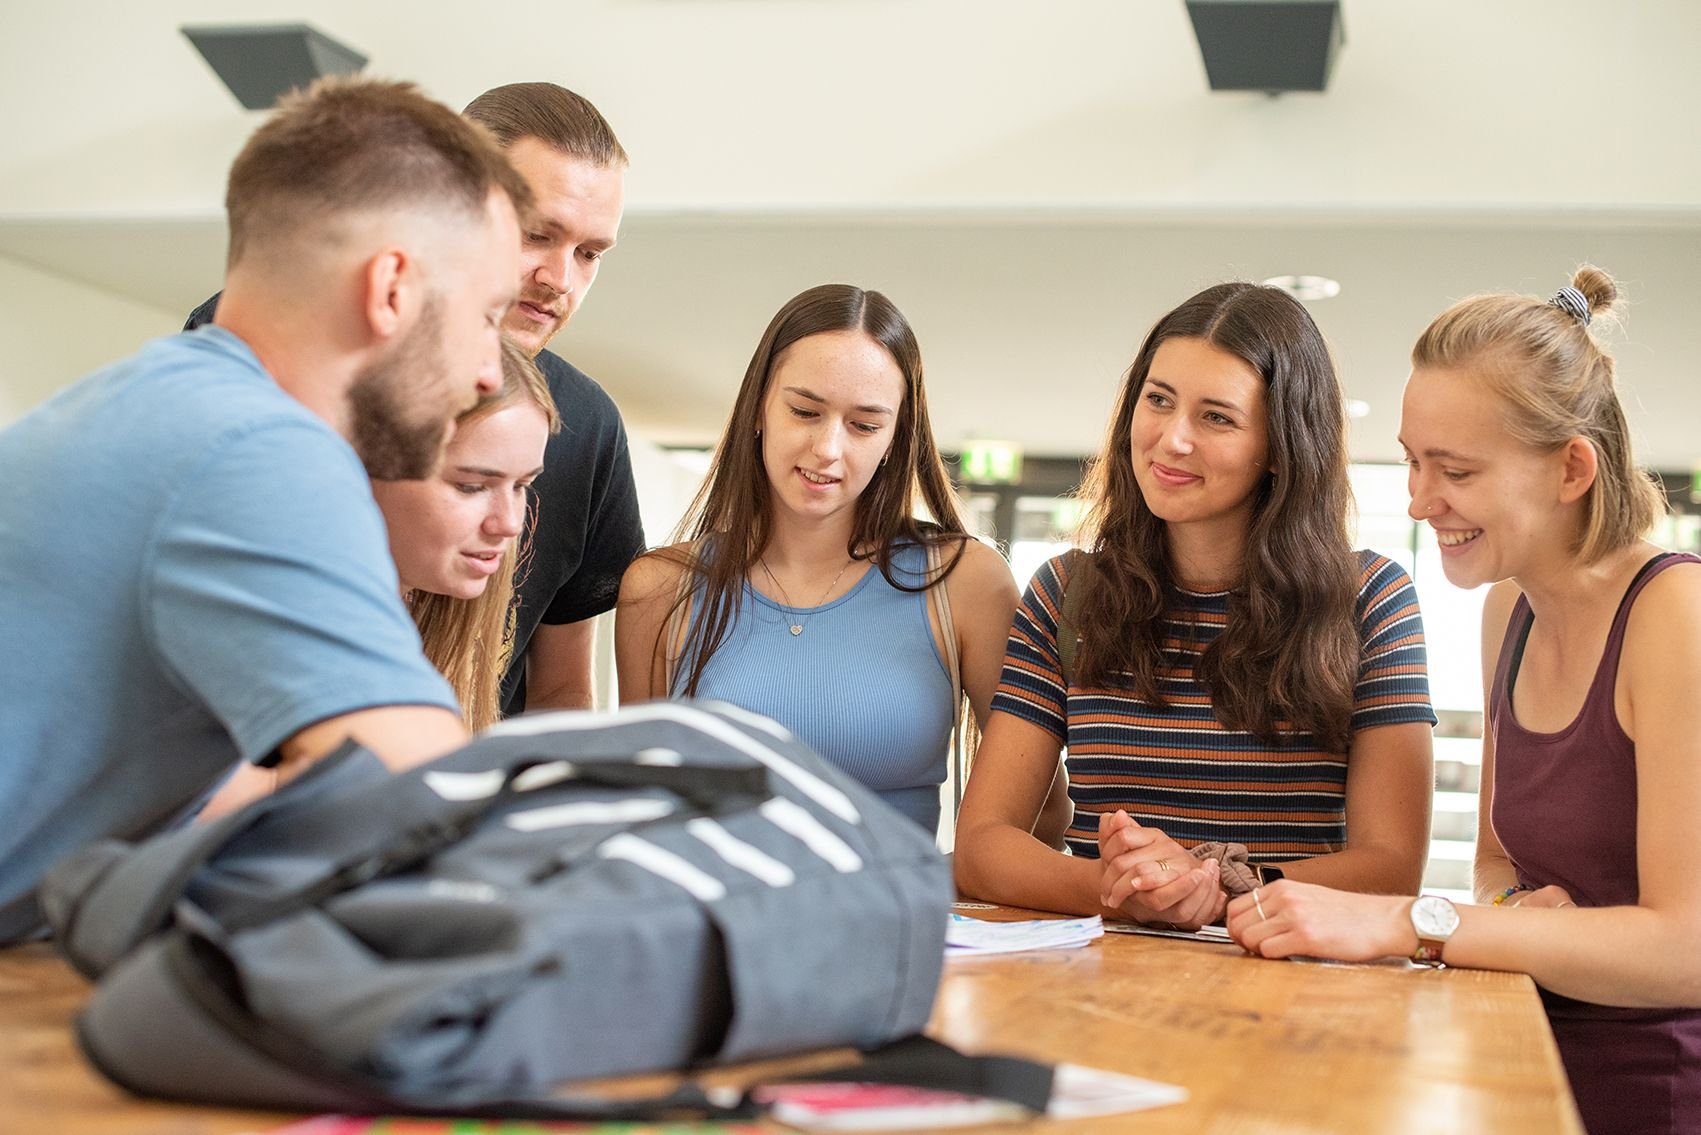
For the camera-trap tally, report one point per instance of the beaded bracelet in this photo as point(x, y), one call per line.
point(1506, 894)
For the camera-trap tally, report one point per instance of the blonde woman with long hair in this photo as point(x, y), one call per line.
point(455, 535)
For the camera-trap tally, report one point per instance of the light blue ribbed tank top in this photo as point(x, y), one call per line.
point(863, 684)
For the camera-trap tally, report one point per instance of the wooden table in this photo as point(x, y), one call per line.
point(1264, 1048)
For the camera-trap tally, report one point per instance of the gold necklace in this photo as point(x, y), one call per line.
point(797, 627)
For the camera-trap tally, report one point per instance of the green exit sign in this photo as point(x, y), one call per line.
point(991, 462)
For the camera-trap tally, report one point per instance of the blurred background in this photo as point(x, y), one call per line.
point(1033, 184)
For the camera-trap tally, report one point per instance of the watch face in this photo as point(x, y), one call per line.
point(1434, 917)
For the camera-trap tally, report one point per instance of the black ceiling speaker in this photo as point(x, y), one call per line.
point(1267, 45)
point(260, 63)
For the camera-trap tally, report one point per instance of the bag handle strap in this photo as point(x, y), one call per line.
point(706, 788)
point(962, 716)
point(922, 1062)
point(679, 620)
point(133, 897)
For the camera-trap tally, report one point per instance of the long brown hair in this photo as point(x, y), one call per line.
point(733, 511)
point(1288, 657)
point(469, 640)
point(1558, 383)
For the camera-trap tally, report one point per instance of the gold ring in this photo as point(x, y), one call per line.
point(1163, 865)
point(1259, 904)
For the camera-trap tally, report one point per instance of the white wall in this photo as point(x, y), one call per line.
point(666, 484)
point(731, 104)
point(53, 331)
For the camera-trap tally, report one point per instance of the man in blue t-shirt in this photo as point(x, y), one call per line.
point(192, 569)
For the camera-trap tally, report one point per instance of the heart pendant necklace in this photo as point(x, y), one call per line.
point(796, 612)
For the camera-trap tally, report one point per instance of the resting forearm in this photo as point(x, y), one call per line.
point(1004, 865)
point(1625, 955)
point(1368, 870)
point(1491, 876)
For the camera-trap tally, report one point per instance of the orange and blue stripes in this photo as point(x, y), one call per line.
point(1177, 767)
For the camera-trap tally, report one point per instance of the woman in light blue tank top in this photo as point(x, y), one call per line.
point(800, 584)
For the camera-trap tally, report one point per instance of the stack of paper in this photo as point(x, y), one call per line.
point(964, 936)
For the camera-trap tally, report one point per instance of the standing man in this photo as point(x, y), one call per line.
point(583, 528)
point(192, 571)
point(586, 529)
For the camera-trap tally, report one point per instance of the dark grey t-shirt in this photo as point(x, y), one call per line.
point(587, 528)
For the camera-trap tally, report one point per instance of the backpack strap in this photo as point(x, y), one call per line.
point(110, 896)
point(962, 715)
point(709, 789)
point(922, 1062)
point(678, 620)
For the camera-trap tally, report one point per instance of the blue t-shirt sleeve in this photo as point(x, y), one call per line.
point(270, 595)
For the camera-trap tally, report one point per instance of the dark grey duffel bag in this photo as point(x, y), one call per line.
point(571, 895)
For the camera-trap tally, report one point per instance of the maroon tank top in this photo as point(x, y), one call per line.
point(1564, 810)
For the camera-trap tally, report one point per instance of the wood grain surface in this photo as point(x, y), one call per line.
point(1263, 1048)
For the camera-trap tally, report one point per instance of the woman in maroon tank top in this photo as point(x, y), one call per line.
point(1520, 461)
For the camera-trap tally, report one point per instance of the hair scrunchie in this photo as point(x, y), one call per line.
point(1237, 875)
point(1573, 303)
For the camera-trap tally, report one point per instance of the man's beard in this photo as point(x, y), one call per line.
point(531, 337)
point(393, 443)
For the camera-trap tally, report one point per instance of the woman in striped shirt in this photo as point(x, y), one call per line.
point(1234, 686)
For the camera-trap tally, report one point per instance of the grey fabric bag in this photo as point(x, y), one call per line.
point(571, 895)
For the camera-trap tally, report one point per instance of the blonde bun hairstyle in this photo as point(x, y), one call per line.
point(1556, 381)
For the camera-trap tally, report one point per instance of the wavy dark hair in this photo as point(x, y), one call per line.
point(731, 518)
point(1289, 655)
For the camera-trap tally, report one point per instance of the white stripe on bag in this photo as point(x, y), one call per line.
point(754, 720)
point(459, 786)
point(741, 855)
point(574, 720)
point(796, 821)
point(589, 812)
point(541, 776)
point(663, 863)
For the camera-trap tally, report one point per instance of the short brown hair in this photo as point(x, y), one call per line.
point(346, 145)
point(551, 114)
point(1557, 383)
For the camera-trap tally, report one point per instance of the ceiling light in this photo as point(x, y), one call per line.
point(1306, 287)
point(1357, 408)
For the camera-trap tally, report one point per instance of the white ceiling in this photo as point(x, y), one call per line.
point(1032, 184)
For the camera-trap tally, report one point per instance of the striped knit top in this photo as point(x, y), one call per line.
point(1177, 767)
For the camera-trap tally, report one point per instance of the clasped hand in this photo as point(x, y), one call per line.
point(1151, 878)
